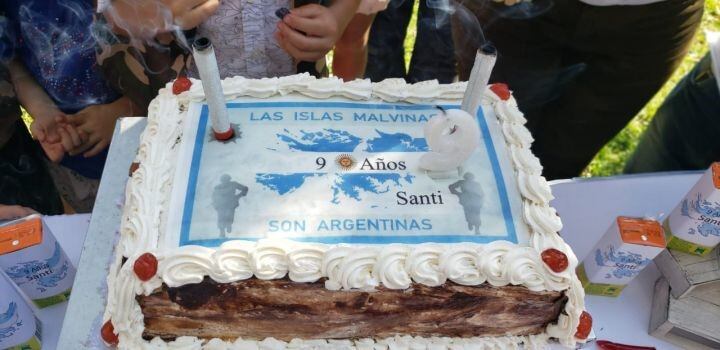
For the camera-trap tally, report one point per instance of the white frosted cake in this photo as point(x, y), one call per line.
point(315, 227)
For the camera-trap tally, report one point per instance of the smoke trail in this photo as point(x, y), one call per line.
point(143, 32)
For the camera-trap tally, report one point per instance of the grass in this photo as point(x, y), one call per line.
point(611, 159)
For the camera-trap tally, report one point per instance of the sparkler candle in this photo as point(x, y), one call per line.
point(19, 329)
point(33, 259)
point(479, 77)
point(207, 66)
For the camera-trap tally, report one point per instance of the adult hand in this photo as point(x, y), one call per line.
point(147, 18)
point(308, 32)
point(10, 212)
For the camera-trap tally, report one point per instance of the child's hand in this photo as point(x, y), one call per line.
point(10, 212)
point(309, 32)
point(90, 130)
point(71, 138)
point(44, 128)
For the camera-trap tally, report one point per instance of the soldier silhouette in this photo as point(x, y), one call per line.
point(471, 196)
point(225, 199)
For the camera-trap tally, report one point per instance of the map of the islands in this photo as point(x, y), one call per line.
point(284, 183)
point(334, 140)
point(325, 140)
point(351, 185)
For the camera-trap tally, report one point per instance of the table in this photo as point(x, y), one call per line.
point(587, 207)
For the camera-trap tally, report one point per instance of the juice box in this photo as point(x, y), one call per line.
point(35, 262)
point(19, 329)
point(694, 225)
point(628, 246)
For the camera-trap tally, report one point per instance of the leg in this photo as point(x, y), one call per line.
point(433, 55)
point(350, 57)
point(683, 135)
point(386, 55)
point(628, 52)
point(469, 219)
point(77, 190)
point(24, 177)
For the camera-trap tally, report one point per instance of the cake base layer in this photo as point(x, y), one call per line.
point(282, 309)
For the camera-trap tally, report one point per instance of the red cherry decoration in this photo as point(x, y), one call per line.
point(145, 266)
point(107, 332)
point(501, 90)
point(181, 84)
point(585, 326)
point(133, 167)
point(555, 259)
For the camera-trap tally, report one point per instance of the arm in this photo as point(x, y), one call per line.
point(453, 188)
point(10, 212)
point(243, 190)
point(41, 107)
point(344, 10)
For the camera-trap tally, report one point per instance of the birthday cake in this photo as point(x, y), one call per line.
point(316, 227)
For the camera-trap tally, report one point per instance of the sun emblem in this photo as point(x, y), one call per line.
point(345, 161)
